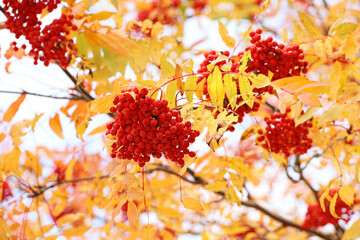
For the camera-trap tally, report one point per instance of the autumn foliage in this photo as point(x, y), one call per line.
point(180, 119)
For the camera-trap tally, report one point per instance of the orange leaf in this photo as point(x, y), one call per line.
point(192, 204)
point(98, 130)
point(56, 126)
point(14, 107)
point(2, 137)
point(133, 215)
point(7, 65)
point(309, 99)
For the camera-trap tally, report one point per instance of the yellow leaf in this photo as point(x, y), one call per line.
point(322, 199)
point(216, 87)
point(331, 114)
point(353, 232)
point(306, 116)
point(132, 214)
point(135, 193)
point(229, 41)
point(166, 66)
point(69, 169)
point(10, 162)
point(102, 104)
point(216, 186)
point(179, 82)
point(130, 180)
point(249, 132)
point(97, 130)
point(200, 89)
point(245, 90)
point(73, 232)
point(188, 65)
point(345, 29)
point(14, 107)
point(101, 15)
point(284, 35)
point(280, 159)
point(185, 167)
point(231, 195)
point(320, 49)
point(192, 204)
point(244, 61)
point(309, 25)
point(56, 126)
point(309, 99)
point(350, 47)
point(237, 181)
point(34, 163)
point(346, 194)
point(230, 89)
point(190, 87)
point(333, 205)
point(259, 80)
point(298, 84)
point(171, 94)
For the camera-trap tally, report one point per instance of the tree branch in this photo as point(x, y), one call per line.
point(2, 10)
point(86, 96)
point(41, 95)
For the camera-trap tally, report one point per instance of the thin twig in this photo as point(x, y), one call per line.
point(42, 95)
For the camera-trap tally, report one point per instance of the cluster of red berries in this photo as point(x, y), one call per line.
point(282, 136)
point(50, 43)
point(145, 127)
point(315, 217)
point(209, 58)
point(198, 5)
point(160, 11)
point(6, 191)
point(268, 55)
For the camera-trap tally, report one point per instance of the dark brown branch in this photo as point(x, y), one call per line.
point(325, 4)
point(284, 221)
point(2, 10)
point(85, 95)
point(41, 95)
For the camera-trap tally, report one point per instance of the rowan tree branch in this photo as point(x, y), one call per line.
point(86, 96)
point(2, 10)
point(42, 95)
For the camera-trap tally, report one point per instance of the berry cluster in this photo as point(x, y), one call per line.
point(146, 127)
point(50, 43)
point(268, 55)
point(6, 191)
point(198, 5)
point(315, 217)
point(282, 136)
point(160, 11)
point(209, 58)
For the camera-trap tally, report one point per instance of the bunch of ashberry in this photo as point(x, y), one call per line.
point(281, 135)
point(198, 5)
point(145, 127)
point(210, 57)
point(50, 43)
point(268, 55)
point(316, 217)
point(161, 11)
